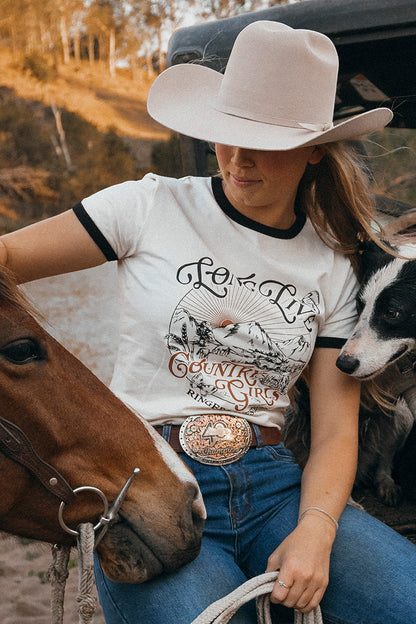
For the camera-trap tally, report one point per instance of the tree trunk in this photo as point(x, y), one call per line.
point(91, 50)
point(61, 135)
point(112, 52)
point(77, 47)
point(149, 63)
point(64, 39)
point(134, 66)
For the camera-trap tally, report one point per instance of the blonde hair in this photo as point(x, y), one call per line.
point(335, 194)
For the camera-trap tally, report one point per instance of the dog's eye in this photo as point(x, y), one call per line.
point(391, 314)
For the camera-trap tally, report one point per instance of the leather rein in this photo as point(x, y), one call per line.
point(17, 447)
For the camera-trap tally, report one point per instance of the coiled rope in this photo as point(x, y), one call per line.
point(259, 587)
point(219, 612)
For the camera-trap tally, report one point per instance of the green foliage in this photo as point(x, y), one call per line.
point(28, 139)
point(24, 140)
point(41, 574)
point(105, 161)
point(166, 158)
point(38, 66)
point(80, 134)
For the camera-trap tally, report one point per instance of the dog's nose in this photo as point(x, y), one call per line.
point(347, 363)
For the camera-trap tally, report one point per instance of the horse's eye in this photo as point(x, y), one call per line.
point(22, 351)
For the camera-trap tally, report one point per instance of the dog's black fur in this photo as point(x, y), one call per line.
point(387, 326)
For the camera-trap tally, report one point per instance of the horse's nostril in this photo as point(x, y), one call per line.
point(348, 364)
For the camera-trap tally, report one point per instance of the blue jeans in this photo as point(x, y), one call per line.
point(252, 506)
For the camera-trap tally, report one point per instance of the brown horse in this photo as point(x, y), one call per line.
point(76, 424)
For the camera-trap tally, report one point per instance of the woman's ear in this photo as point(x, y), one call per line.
point(316, 155)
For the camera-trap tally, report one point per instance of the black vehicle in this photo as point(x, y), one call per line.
point(376, 43)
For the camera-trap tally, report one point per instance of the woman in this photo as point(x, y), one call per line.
point(231, 287)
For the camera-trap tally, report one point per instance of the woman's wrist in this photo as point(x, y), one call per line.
point(317, 530)
point(319, 513)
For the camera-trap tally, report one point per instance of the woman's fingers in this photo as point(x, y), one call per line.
point(296, 594)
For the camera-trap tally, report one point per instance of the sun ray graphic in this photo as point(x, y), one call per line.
point(239, 305)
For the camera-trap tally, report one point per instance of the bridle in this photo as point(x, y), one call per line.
point(17, 446)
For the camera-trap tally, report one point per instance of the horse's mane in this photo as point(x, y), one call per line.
point(10, 293)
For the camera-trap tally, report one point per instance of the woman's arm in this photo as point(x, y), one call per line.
point(50, 247)
point(303, 558)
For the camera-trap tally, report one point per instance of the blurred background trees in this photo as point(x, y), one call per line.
point(130, 32)
point(77, 120)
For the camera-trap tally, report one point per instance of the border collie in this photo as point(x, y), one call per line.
point(382, 347)
point(386, 329)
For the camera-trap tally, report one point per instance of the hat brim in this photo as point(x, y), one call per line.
point(183, 98)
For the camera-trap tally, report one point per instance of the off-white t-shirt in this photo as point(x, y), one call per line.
point(219, 314)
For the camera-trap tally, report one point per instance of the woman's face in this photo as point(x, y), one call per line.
point(262, 185)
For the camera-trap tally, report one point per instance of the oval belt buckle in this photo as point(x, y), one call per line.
point(215, 439)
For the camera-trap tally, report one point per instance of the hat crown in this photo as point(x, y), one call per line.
point(281, 76)
point(277, 93)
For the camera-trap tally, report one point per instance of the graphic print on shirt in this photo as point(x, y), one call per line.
point(237, 341)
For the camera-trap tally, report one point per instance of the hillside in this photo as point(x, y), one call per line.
point(107, 130)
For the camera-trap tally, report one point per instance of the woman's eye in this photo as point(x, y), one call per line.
point(22, 351)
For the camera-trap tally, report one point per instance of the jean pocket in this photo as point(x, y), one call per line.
point(281, 453)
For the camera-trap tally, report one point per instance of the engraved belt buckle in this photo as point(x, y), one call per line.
point(215, 439)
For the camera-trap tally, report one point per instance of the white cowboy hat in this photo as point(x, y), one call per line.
point(277, 93)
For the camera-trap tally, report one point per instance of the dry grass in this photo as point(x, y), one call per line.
point(101, 100)
point(29, 192)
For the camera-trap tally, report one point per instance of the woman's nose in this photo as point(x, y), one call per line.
point(242, 157)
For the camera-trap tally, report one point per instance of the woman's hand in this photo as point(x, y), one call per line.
point(303, 563)
point(303, 557)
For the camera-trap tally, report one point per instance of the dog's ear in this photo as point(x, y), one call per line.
point(373, 257)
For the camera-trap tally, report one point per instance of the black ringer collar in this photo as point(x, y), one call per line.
point(236, 216)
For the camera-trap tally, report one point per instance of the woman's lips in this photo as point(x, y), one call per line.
point(243, 182)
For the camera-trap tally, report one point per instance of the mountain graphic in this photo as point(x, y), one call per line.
point(293, 347)
point(246, 343)
point(245, 333)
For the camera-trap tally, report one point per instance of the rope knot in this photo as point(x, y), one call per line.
point(87, 607)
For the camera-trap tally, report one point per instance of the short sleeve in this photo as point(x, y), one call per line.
point(341, 309)
point(115, 216)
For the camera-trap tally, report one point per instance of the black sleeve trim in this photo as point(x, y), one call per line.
point(330, 343)
point(98, 238)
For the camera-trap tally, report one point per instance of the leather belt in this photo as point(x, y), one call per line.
point(218, 439)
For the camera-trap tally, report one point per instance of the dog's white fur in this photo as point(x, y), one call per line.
point(369, 353)
point(373, 351)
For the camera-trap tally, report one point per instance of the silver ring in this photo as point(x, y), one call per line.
point(103, 519)
point(283, 584)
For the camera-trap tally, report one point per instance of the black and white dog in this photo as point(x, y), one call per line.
point(387, 305)
point(382, 347)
